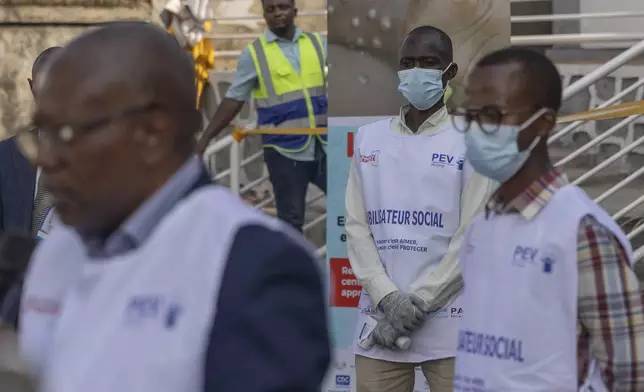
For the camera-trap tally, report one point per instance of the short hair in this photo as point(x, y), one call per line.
point(42, 59)
point(444, 39)
point(292, 2)
point(541, 74)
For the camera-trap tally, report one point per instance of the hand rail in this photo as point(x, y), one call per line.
point(603, 70)
point(530, 40)
point(561, 39)
point(629, 207)
point(225, 37)
point(592, 143)
point(638, 254)
point(234, 173)
point(620, 185)
point(609, 161)
point(261, 18)
point(562, 17)
point(574, 125)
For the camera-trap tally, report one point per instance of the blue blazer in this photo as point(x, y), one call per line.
point(17, 185)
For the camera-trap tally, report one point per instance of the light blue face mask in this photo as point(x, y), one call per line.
point(497, 155)
point(421, 86)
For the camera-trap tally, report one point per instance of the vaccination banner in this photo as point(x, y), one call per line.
point(363, 43)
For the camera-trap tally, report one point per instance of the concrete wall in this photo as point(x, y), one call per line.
point(27, 29)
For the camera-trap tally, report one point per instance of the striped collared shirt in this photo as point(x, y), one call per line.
point(610, 300)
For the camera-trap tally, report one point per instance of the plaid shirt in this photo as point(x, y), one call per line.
point(610, 301)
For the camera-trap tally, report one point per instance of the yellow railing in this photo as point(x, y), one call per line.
point(608, 113)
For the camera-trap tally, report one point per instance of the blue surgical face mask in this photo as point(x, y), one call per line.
point(497, 155)
point(421, 86)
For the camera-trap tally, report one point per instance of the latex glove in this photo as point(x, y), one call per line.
point(401, 313)
point(420, 303)
point(385, 335)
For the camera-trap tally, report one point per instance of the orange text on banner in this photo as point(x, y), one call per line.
point(345, 287)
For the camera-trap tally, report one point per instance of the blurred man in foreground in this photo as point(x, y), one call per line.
point(25, 205)
point(131, 293)
point(548, 273)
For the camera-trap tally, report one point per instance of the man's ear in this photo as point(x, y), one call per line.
point(452, 71)
point(549, 122)
point(295, 12)
point(31, 84)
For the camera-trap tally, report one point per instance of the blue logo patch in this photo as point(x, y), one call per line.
point(143, 307)
point(342, 380)
point(524, 255)
point(549, 257)
point(152, 307)
point(172, 315)
point(443, 160)
point(548, 263)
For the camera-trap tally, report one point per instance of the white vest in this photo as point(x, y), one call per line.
point(519, 331)
point(138, 322)
point(412, 191)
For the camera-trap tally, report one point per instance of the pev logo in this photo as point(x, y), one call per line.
point(342, 380)
point(449, 313)
point(371, 159)
point(443, 160)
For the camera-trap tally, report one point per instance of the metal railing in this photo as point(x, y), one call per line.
point(261, 18)
point(566, 17)
point(237, 163)
point(520, 40)
point(629, 146)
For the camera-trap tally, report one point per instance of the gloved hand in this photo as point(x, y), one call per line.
point(420, 303)
point(401, 313)
point(385, 335)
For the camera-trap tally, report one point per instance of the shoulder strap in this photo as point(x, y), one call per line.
point(262, 64)
point(203, 181)
point(317, 44)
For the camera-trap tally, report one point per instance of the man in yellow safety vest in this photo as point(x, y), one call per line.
point(284, 72)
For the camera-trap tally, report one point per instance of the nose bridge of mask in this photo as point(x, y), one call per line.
point(429, 71)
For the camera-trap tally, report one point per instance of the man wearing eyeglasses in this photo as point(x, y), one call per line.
point(552, 301)
point(156, 279)
point(25, 206)
point(409, 196)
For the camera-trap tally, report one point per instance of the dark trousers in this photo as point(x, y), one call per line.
point(290, 180)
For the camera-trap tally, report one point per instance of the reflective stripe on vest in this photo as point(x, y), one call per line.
point(286, 99)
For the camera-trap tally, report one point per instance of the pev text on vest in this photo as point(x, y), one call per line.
point(487, 345)
point(405, 217)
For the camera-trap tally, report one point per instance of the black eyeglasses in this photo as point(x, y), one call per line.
point(489, 118)
point(30, 137)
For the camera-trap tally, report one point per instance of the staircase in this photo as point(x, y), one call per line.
point(604, 157)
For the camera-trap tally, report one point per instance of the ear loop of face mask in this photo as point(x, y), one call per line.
point(443, 73)
point(529, 122)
